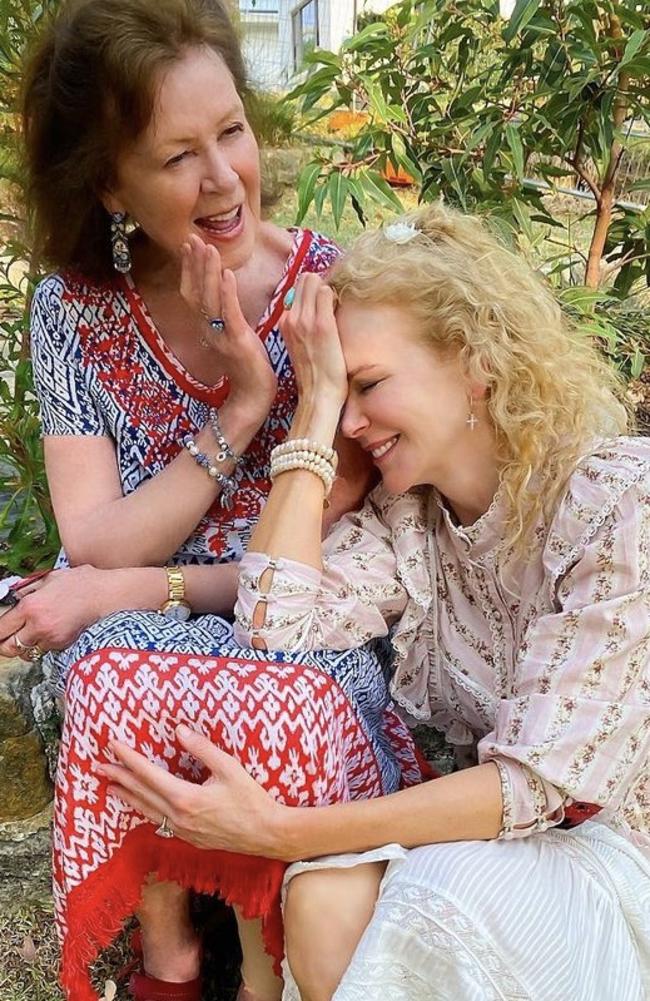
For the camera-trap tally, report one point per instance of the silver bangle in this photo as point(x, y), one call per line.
point(226, 451)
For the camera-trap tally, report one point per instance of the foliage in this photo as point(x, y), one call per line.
point(272, 119)
point(470, 106)
point(26, 521)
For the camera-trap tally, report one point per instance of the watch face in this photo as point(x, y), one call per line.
point(179, 611)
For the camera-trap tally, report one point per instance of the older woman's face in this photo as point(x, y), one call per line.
point(195, 169)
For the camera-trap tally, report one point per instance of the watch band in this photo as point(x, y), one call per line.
point(175, 584)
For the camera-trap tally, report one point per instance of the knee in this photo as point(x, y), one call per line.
point(311, 938)
point(326, 913)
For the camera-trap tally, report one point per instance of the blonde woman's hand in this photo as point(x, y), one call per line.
point(229, 811)
point(211, 294)
point(312, 338)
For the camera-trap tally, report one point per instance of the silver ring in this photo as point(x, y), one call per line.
point(217, 324)
point(32, 653)
point(164, 831)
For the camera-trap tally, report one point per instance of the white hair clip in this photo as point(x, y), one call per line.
point(400, 232)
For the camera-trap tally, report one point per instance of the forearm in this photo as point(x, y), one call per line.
point(207, 588)
point(145, 528)
point(465, 806)
point(291, 522)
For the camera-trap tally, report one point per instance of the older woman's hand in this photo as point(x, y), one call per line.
point(229, 811)
point(212, 294)
point(51, 612)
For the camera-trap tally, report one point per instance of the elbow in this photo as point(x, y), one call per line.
point(104, 556)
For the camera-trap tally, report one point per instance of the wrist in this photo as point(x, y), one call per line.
point(238, 424)
point(317, 420)
point(134, 588)
point(285, 830)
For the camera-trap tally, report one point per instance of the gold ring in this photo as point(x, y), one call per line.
point(33, 652)
point(164, 831)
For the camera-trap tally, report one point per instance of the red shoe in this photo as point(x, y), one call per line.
point(144, 988)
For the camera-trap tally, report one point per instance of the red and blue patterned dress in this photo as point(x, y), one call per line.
point(312, 728)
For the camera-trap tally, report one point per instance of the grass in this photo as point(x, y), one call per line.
point(28, 953)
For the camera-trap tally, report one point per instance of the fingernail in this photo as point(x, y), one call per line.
point(183, 730)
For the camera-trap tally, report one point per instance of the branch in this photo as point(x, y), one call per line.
point(609, 269)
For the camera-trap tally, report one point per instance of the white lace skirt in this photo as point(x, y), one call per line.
point(559, 916)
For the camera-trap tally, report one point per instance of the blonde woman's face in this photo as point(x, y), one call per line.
point(407, 404)
point(195, 169)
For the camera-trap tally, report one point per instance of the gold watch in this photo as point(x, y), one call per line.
point(177, 607)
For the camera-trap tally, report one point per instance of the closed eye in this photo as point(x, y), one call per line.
point(173, 160)
point(367, 386)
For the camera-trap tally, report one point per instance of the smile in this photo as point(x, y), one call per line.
point(381, 450)
point(222, 225)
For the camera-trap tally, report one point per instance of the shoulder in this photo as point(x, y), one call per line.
point(69, 289)
point(609, 491)
point(319, 251)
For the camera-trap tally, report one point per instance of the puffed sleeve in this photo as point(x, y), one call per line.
point(63, 385)
point(355, 597)
point(577, 725)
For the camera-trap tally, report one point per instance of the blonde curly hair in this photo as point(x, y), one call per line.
point(551, 394)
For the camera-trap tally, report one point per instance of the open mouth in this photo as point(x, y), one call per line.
point(222, 224)
point(381, 451)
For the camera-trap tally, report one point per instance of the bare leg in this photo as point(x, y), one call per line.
point(326, 914)
point(170, 944)
point(258, 977)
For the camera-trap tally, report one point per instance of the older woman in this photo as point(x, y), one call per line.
point(507, 547)
point(164, 384)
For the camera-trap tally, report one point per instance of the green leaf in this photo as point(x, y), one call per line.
point(641, 185)
point(634, 43)
point(524, 11)
point(638, 363)
point(371, 31)
point(514, 142)
point(306, 184)
point(337, 187)
point(379, 190)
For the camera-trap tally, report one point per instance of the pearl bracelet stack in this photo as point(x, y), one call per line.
point(303, 453)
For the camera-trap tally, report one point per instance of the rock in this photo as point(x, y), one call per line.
point(25, 859)
point(17, 678)
point(25, 788)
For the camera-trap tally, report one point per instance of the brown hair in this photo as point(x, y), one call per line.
point(89, 89)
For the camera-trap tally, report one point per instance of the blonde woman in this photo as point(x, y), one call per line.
point(507, 548)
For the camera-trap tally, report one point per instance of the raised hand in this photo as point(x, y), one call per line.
point(312, 338)
point(212, 294)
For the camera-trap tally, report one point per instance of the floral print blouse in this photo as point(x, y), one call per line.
point(542, 659)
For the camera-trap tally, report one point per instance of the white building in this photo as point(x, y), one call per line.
point(278, 33)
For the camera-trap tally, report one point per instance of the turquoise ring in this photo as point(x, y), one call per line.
point(289, 297)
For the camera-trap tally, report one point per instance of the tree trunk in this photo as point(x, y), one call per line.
point(599, 237)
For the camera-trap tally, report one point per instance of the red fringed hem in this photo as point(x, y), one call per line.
point(97, 909)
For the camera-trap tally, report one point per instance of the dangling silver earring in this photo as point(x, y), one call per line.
point(472, 419)
point(120, 243)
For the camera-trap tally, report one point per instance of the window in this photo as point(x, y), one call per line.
point(259, 6)
point(304, 22)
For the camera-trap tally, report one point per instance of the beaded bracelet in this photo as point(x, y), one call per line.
point(300, 456)
point(225, 450)
point(301, 444)
point(228, 484)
